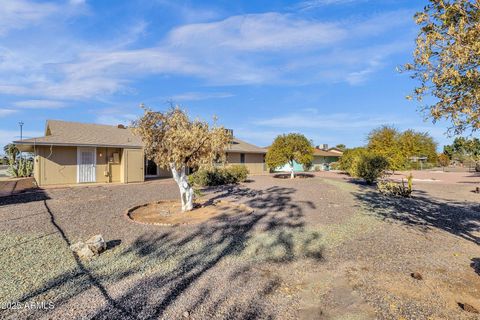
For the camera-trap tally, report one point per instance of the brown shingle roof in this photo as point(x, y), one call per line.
point(326, 153)
point(85, 134)
point(244, 147)
point(67, 133)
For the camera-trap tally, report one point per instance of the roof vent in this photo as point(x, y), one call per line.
point(121, 126)
point(323, 147)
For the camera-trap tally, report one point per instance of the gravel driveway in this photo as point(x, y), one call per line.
point(314, 248)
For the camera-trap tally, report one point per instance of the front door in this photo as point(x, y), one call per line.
point(86, 161)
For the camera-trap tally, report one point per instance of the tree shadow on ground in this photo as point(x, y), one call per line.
point(208, 267)
point(18, 198)
point(476, 265)
point(424, 212)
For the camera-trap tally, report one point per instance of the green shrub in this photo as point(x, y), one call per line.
point(219, 176)
point(239, 173)
point(370, 167)
point(349, 161)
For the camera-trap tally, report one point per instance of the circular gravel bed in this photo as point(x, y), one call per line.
point(169, 212)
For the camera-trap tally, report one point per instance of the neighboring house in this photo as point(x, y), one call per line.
point(253, 157)
point(72, 152)
point(322, 158)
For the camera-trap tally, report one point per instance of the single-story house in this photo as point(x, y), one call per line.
point(72, 152)
point(322, 158)
point(249, 155)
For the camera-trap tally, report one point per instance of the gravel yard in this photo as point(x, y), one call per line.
point(314, 248)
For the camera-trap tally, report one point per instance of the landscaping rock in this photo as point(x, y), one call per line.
point(468, 308)
point(97, 244)
point(82, 250)
point(416, 275)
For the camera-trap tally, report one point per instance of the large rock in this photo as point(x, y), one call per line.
point(82, 250)
point(97, 244)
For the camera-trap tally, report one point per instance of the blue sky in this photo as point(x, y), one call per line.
point(325, 68)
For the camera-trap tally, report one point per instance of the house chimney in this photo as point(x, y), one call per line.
point(120, 126)
point(230, 132)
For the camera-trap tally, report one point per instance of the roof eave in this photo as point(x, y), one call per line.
point(75, 145)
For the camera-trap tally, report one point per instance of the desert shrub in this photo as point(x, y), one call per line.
point(219, 176)
point(239, 173)
point(350, 159)
point(370, 167)
point(20, 168)
point(391, 188)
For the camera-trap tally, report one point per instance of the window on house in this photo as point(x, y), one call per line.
point(242, 157)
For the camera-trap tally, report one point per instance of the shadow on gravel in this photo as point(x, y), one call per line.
point(424, 212)
point(222, 259)
point(476, 265)
point(38, 195)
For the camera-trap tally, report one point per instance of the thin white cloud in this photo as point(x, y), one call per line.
point(249, 49)
point(257, 32)
point(313, 4)
point(7, 136)
point(6, 112)
point(337, 121)
point(195, 96)
point(39, 104)
point(19, 14)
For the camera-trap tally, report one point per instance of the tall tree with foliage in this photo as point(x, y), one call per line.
point(385, 142)
point(463, 149)
point(288, 149)
point(399, 147)
point(418, 144)
point(447, 62)
point(443, 160)
point(174, 141)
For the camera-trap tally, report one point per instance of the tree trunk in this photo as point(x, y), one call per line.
point(292, 172)
point(186, 190)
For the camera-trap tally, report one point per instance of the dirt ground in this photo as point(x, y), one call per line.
point(10, 186)
point(169, 213)
point(325, 247)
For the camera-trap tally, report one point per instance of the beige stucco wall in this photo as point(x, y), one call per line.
point(107, 169)
point(253, 161)
point(56, 165)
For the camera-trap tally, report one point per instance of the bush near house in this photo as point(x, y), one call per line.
point(219, 176)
